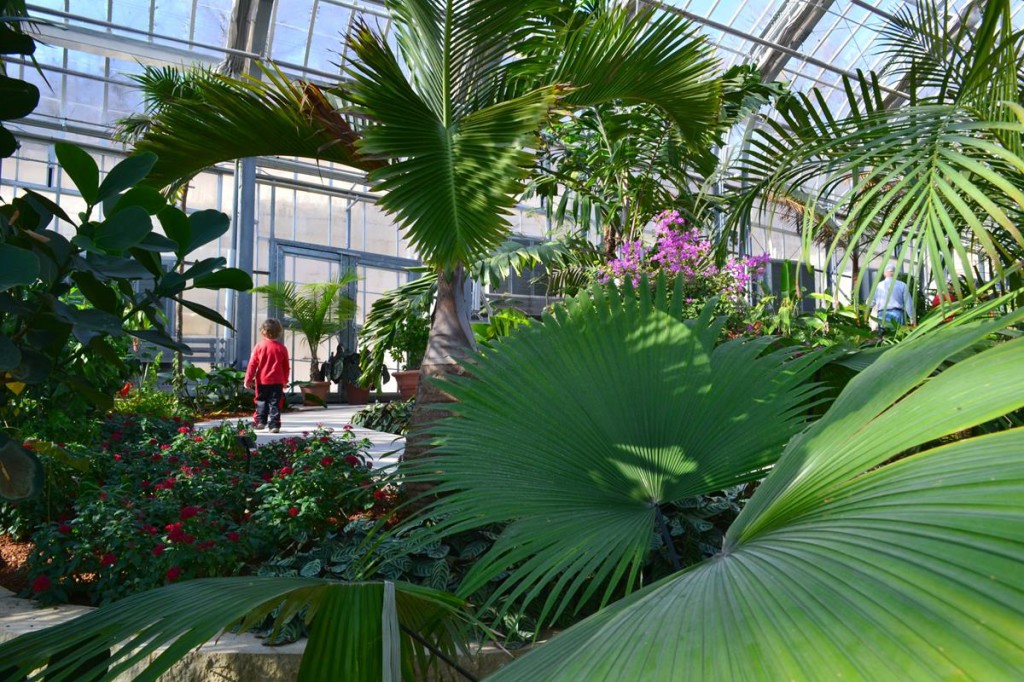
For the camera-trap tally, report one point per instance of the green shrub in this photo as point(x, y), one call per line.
point(390, 417)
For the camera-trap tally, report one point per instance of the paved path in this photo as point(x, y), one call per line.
point(385, 448)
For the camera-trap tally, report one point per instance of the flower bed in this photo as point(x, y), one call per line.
point(155, 506)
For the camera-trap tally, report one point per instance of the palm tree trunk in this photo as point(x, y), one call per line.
point(451, 338)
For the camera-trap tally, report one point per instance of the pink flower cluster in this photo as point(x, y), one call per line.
point(686, 253)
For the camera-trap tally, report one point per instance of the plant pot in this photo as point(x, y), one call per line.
point(356, 395)
point(408, 380)
point(318, 389)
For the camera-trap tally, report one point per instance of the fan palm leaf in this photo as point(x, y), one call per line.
point(357, 630)
point(579, 478)
point(846, 563)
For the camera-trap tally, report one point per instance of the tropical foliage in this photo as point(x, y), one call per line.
point(361, 628)
point(580, 479)
point(611, 168)
point(18, 98)
point(445, 123)
point(839, 534)
point(866, 509)
point(923, 181)
point(70, 304)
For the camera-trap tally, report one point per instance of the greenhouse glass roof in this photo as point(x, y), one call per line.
point(809, 43)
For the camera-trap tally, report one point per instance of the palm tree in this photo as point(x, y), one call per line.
point(918, 181)
point(445, 125)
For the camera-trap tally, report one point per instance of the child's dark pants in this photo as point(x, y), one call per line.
point(268, 405)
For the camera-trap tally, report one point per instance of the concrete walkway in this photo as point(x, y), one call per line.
point(385, 448)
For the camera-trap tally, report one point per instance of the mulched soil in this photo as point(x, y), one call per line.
point(13, 555)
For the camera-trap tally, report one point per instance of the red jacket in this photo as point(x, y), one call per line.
point(269, 364)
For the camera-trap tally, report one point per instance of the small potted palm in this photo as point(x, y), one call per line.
point(316, 311)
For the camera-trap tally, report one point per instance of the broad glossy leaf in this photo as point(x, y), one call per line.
point(10, 356)
point(8, 143)
point(160, 339)
point(82, 169)
point(124, 229)
point(35, 367)
point(17, 98)
point(226, 278)
point(98, 293)
point(177, 228)
point(21, 473)
point(205, 226)
point(18, 267)
point(146, 197)
point(157, 243)
point(125, 174)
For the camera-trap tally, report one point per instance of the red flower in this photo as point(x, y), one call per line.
point(173, 573)
point(327, 461)
point(380, 494)
point(165, 446)
point(347, 427)
point(352, 460)
point(153, 441)
point(293, 511)
point(126, 389)
point(189, 512)
point(198, 439)
point(325, 439)
point(159, 549)
point(41, 584)
point(116, 435)
point(103, 496)
point(64, 529)
point(206, 544)
point(117, 458)
point(183, 429)
point(233, 536)
point(108, 559)
point(175, 534)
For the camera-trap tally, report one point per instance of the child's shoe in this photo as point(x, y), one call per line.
point(260, 427)
point(275, 429)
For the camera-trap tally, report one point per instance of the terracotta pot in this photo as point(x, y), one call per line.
point(408, 380)
point(356, 395)
point(320, 389)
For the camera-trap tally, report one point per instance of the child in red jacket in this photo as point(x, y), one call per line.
point(268, 373)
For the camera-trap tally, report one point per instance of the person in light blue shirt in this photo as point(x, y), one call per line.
point(893, 302)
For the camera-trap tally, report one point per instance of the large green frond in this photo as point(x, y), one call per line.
point(920, 181)
point(199, 118)
point(643, 57)
point(844, 566)
point(573, 432)
point(348, 621)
